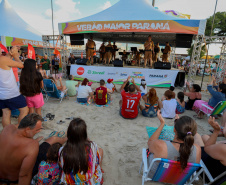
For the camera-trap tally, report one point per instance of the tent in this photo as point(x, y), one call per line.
point(132, 21)
point(14, 30)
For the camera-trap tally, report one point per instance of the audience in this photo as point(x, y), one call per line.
point(20, 152)
point(85, 92)
point(110, 85)
point(143, 87)
point(102, 95)
point(172, 88)
point(72, 86)
point(180, 103)
point(46, 64)
point(169, 105)
point(193, 95)
point(217, 96)
point(152, 103)
point(80, 158)
point(31, 83)
point(182, 148)
point(130, 100)
point(60, 87)
point(10, 97)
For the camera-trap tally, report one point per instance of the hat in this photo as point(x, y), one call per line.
point(110, 80)
point(90, 83)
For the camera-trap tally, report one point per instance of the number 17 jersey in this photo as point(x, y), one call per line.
point(130, 104)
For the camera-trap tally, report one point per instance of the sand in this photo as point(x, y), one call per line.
point(122, 140)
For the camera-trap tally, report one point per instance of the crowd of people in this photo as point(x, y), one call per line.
point(72, 158)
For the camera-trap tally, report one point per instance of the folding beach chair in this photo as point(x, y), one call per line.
point(168, 171)
point(218, 109)
point(52, 91)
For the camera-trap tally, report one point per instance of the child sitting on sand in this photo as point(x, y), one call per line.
point(110, 85)
point(169, 105)
point(49, 171)
point(180, 103)
point(143, 87)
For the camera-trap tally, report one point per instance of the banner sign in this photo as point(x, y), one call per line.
point(164, 26)
point(13, 41)
point(31, 52)
point(153, 77)
point(57, 53)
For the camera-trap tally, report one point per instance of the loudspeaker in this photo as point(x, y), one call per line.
point(162, 65)
point(82, 61)
point(118, 63)
point(77, 39)
point(180, 80)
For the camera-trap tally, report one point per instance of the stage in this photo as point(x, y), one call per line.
point(153, 77)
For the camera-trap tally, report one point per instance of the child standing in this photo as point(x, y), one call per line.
point(49, 172)
point(110, 85)
point(180, 103)
point(143, 87)
point(31, 82)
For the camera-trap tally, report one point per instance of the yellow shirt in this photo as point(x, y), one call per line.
point(150, 46)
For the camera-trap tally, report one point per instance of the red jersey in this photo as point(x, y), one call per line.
point(130, 104)
point(101, 96)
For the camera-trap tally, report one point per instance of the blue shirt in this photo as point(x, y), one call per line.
point(216, 96)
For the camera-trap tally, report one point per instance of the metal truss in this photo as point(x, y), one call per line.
point(220, 72)
point(172, 55)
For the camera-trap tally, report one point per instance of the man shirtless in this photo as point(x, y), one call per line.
point(149, 49)
point(20, 152)
point(91, 46)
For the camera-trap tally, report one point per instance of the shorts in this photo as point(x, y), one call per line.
point(13, 103)
point(108, 55)
point(82, 100)
point(90, 53)
point(150, 113)
point(142, 94)
point(120, 113)
point(35, 101)
point(148, 55)
point(56, 67)
point(43, 149)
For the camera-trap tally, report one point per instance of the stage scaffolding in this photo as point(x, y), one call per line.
point(195, 59)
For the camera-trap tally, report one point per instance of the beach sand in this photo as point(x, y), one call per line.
point(122, 140)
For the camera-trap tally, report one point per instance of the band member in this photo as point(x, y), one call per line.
point(108, 54)
point(166, 52)
point(114, 51)
point(91, 46)
point(124, 56)
point(102, 51)
point(156, 52)
point(138, 58)
point(149, 48)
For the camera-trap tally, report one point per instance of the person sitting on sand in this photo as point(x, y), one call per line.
point(72, 86)
point(20, 153)
point(80, 158)
point(60, 87)
point(169, 105)
point(193, 95)
point(130, 100)
point(102, 95)
point(125, 86)
point(213, 152)
point(143, 87)
point(110, 85)
point(180, 103)
point(181, 148)
point(217, 96)
point(152, 103)
point(85, 92)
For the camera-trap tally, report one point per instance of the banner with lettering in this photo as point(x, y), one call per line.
point(31, 52)
point(153, 77)
point(14, 41)
point(164, 26)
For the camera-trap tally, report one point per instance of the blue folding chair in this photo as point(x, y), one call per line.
point(52, 91)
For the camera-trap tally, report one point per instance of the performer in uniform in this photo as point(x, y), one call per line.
point(91, 46)
point(108, 54)
point(102, 52)
point(149, 48)
point(138, 58)
point(124, 56)
point(166, 52)
point(156, 52)
point(114, 51)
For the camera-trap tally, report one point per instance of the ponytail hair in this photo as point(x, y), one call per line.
point(186, 129)
point(180, 96)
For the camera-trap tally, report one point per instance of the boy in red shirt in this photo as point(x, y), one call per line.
point(130, 100)
point(102, 94)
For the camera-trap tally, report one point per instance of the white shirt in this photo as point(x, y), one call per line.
point(169, 108)
point(83, 91)
point(184, 61)
point(145, 91)
point(110, 86)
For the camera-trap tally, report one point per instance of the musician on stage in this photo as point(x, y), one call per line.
point(166, 53)
point(156, 52)
point(91, 46)
point(138, 58)
point(124, 56)
point(149, 49)
point(108, 54)
point(114, 51)
point(102, 52)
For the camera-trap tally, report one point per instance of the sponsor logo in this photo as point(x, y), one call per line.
point(123, 74)
point(95, 72)
point(112, 73)
point(80, 71)
point(157, 76)
point(137, 75)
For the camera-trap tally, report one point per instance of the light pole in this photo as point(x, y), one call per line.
point(153, 3)
point(52, 20)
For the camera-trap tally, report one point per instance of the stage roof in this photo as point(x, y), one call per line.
point(132, 21)
point(12, 25)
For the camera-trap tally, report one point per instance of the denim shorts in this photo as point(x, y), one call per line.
point(82, 100)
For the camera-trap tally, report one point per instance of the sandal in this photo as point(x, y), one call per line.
point(61, 134)
point(53, 133)
point(60, 122)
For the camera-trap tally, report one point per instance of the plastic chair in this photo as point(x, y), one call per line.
point(168, 171)
point(52, 91)
point(218, 109)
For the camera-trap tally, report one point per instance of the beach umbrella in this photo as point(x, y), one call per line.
point(209, 57)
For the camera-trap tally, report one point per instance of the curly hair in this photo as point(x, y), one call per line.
point(153, 98)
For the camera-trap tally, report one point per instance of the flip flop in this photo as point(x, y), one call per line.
point(48, 115)
point(52, 117)
point(60, 122)
point(61, 134)
point(53, 133)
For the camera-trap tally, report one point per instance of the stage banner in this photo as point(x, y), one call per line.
point(31, 52)
point(153, 77)
point(14, 41)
